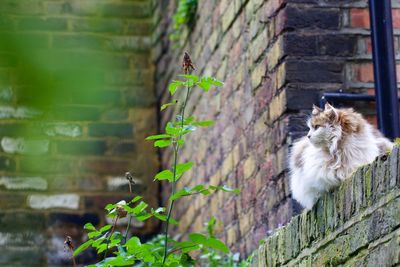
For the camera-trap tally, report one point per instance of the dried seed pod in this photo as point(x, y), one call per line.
point(187, 64)
point(129, 177)
point(121, 212)
point(68, 242)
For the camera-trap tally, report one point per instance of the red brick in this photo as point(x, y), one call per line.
point(359, 17)
point(396, 18)
point(364, 72)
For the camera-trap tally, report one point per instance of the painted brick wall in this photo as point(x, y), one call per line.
point(64, 159)
point(355, 225)
point(276, 57)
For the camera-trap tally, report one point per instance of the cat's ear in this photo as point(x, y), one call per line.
point(331, 111)
point(328, 106)
point(316, 110)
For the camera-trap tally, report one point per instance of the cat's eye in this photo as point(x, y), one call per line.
point(316, 127)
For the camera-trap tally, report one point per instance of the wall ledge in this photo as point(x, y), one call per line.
point(358, 223)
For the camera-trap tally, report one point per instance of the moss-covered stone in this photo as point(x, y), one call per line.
point(355, 224)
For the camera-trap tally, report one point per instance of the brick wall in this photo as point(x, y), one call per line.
point(355, 225)
point(77, 101)
point(276, 58)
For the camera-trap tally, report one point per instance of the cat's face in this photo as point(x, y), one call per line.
point(324, 126)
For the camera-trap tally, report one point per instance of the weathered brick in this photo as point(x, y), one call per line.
point(249, 166)
point(7, 164)
point(299, 99)
point(36, 165)
point(322, 18)
point(128, 43)
point(23, 183)
point(32, 256)
point(139, 27)
point(124, 148)
point(131, 10)
point(86, 147)
point(100, 25)
point(22, 221)
point(314, 71)
point(23, 7)
point(104, 166)
point(76, 113)
point(43, 24)
point(64, 201)
point(100, 201)
point(111, 129)
point(85, 41)
point(359, 18)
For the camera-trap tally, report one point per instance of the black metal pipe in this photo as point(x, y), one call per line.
point(328, 97)
point(384, 67)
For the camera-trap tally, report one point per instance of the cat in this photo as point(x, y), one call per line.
point(339, 141)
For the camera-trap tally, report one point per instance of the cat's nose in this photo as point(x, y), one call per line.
point(308, 136)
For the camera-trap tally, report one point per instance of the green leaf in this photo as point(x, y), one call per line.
point(105, 228)
point(140, 207)
point(165, 175)
point(179, 194)
point(210, 226)
point(171, 130)
point(213, 81)
point(110, 207)
point(135, 199)
point(180, 142)
point(197, 187)
point(173, 221)
point(187, 192)
point(174, 85)
point(162, 143)
point(183, 167)
point(206, 83)
point(160, 217)
point(94, 234)
point(102, 248)
point(89, 227)
point(203, 123)
point(225, 189)
point(83, 247)
point(198, 238)
point(133, 242)
point(164, 106)
point(143, 217)
point(191, 77)
point(158, 136)
point(186, 246)
point(216, 244)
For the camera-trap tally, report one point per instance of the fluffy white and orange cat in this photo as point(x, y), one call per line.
point(339, 141)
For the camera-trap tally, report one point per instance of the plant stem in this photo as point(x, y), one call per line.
point(177, 249)
point(127, 228)
point(73, 258)
point(108, 239)
point(176, 150)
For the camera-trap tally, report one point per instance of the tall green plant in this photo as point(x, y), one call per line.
point(164, 250)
